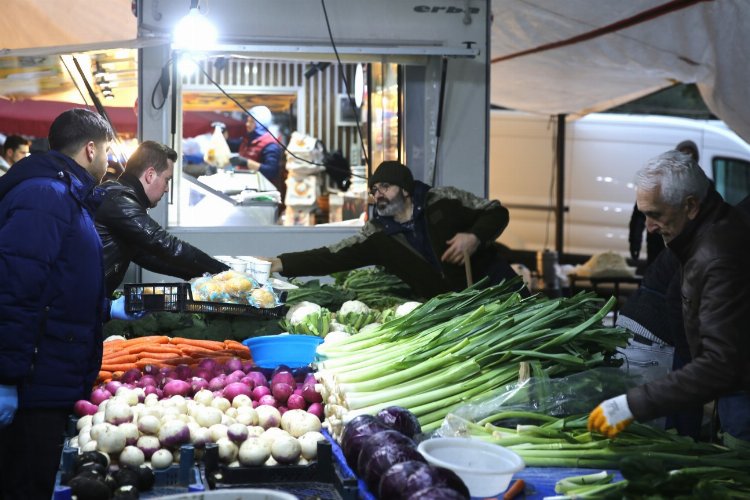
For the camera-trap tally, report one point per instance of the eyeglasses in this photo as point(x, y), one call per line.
point(379, 188)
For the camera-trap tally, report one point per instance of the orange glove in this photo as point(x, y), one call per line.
point(611, 416)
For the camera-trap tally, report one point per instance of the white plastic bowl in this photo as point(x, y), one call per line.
point(485, 468)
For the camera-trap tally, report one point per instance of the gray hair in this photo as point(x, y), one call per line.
point(677, 174)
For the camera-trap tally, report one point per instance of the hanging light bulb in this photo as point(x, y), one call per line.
point(194, 31)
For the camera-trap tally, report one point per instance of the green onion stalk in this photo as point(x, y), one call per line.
point(458, 347)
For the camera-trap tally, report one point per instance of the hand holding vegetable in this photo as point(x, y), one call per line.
point(8, 404)
point(611, 417)
point(117, 311)
point(460, 244)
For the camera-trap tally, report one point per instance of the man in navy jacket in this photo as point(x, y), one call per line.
point(52, 298)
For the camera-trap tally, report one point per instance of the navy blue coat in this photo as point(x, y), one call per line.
point(51, 281)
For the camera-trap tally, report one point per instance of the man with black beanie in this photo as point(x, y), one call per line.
point(419, 233)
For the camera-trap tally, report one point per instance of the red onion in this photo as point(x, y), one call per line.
point(316, 409)
point(98, 395)
point(267, 400)
point(235, 389)
point(112, 386)
point(145, 381)
point(217, 383)
point(258, 378)
point(285, 377)
point(183, 372)
point(176, 388)
point(233, 364)
point(84, 407)
point(281, 391)
point(259, 391)
point(131, 376)
point(296, 402)
point(310, 394)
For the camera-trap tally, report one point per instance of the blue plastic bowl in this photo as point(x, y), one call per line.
point(295, 351)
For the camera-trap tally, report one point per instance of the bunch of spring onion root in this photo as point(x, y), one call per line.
point(652, 461)
point(459, 346)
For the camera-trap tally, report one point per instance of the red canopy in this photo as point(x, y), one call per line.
point(33, 118)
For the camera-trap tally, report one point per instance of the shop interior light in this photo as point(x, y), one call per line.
point(194, 31)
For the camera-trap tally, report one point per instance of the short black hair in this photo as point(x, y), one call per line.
point(74, 128)
point(14, 142)
point(150, 154)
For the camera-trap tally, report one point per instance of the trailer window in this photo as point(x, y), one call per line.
point(732, 177)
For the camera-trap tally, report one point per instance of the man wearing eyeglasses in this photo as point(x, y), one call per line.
point(419, 233)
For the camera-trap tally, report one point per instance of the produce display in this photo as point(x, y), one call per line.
point(459, 346)
point(390, 371)
point(382, 451)
point(151, 352)
point(652, 461)
point(255, 416)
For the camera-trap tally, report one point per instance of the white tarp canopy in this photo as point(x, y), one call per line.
point(580, 56)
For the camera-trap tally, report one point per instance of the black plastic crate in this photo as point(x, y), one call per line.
point(321, 479)
point(178, 297)
point(153, 297)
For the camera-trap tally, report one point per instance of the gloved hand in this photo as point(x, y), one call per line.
point(117, 311)
point(238, 161)
point(611, 417)
point(8, 404)
point(634, 253)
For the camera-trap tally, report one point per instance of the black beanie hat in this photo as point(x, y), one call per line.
point(393, 172)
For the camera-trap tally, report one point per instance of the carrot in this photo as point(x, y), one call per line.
point(189, 350)
point(149, 361)
point(151, 339)
point(157, 355)
point(214, 345)
point(119, 359)
point(152, 348)
point(117, 367)
point(515, 489)
point(233, 344)
point(186, 360)
point(117, 374)
point(103, 375)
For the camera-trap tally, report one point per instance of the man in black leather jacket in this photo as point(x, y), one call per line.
point(128, 233)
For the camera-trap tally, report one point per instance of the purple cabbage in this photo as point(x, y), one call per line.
point(436, 493)
point(400, 419)
point(383, 458)
point(404, 479)
point(355, 433)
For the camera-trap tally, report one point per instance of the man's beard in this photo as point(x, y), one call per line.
point(390, 208)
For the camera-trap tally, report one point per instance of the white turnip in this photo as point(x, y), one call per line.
point(286, 449)
point(254, 451)
point(161, 459)
point(309, 444)
point(132, 456)
point(268, 416)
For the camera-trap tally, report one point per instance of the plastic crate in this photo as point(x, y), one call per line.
point(176, 478)
point(178, 297)
point(321, 479)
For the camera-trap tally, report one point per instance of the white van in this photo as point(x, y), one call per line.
point(602, 154)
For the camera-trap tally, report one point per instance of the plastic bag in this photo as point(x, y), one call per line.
point(218, 152)
point(576, 394)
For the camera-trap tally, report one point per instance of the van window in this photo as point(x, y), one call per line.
point(732, 177)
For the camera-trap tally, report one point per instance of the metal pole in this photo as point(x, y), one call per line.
point(560, 202)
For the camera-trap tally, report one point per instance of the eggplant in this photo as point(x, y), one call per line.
point(406, 478)
point(400, 419)
point(436, 493)
point(355, 433)
point(90, 457)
